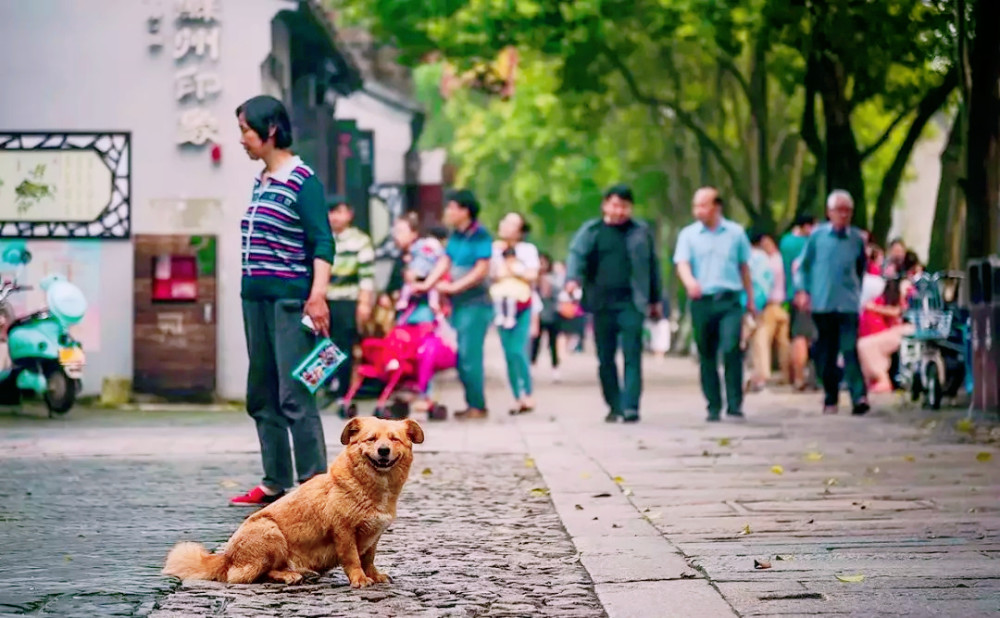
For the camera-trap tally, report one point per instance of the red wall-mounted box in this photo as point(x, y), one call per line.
point(175, 277)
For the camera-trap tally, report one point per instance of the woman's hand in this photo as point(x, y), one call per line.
point(319, 312)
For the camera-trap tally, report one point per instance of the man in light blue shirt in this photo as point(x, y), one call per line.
point(712, 257)
point(828, 282)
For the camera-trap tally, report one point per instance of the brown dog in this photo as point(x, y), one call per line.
point(332, 519)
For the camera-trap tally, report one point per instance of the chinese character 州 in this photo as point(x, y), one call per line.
point(198, 126)
point(202, 85)
point(198, 39)
point(198, 10)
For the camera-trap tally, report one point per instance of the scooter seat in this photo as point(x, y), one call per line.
point(31, 317)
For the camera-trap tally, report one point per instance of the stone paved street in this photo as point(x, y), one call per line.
point(896, 513)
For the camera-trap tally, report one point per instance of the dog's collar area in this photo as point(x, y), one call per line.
point(382, 464)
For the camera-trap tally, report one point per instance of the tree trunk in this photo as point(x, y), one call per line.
point(928, 106)
point(843, 159)
point(983, 146)
point(942, 254)
point(759, 114)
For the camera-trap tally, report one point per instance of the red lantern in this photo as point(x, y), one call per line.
point(216, 154)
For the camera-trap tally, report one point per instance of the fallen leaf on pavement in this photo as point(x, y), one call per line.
point(984, 456)
point(909, 458)
point(529, 462)
point(783, 557)
point(746, 529)
point(228, 483)
point(830, 482)
point(68, 558)
point(777, 469)
point(539, 491)
point(584, 475)
point(761, 564)
point(851, 579)
point(814, 456)
point(426, 472)
point(618, 480)
point(578, 507)
point(705, 454)
point(724, 441)
point(965, 426)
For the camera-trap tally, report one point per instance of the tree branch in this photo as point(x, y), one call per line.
point(730, 67)
point(870, 150)
point(928, 106)
point(686, 119)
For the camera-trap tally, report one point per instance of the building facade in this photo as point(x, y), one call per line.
point(120, 114)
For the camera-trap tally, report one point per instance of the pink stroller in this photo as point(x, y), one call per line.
point(405, 359)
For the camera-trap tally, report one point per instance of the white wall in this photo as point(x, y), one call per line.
point(85, 65)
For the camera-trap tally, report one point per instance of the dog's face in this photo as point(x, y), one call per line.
point(383, 445)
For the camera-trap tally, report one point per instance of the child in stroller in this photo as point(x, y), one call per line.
point(417, 347)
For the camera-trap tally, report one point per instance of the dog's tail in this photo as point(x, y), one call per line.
point(192, 561)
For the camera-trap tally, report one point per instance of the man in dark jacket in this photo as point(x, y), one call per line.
point(613, 259)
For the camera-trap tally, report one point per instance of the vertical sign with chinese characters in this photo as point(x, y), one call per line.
point(195, 51)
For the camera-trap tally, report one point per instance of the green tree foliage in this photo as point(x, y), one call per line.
point(774, 101)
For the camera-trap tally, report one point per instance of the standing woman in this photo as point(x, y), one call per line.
point(287, 251)
point(516, 338)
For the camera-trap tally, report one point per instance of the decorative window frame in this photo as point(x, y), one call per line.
point(115, 150)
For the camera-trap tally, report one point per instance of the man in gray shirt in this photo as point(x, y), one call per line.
point(829, 283)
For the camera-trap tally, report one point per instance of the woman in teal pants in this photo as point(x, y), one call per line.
point(522, 262)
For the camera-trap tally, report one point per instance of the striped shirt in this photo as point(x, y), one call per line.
point(284, 229)
point(353, 268)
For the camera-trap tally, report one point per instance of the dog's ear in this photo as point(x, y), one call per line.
point(414, 432)
point(350, 430)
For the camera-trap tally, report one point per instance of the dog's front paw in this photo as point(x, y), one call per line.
point(380, 578)
point(362, 581)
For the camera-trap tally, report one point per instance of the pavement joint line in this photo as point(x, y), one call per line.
point(562, 511)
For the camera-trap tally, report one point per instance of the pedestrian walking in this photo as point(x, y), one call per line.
point(514, 257)
point(802, 330)
point(467, 262)
point(613, 259)
point(773, 330)
point(351, 293)
point(287, 251)
point(712, 258)
point(832, 265)
point(549, 286)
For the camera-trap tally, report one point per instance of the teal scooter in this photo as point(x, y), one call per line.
point(41, 358)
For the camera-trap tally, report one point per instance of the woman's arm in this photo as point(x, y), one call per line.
point(440, 268)
point(319, 238)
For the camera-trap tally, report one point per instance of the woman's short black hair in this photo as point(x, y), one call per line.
point(465, 199)
point(621, 191)
point(892, 294)
point(263, 113)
